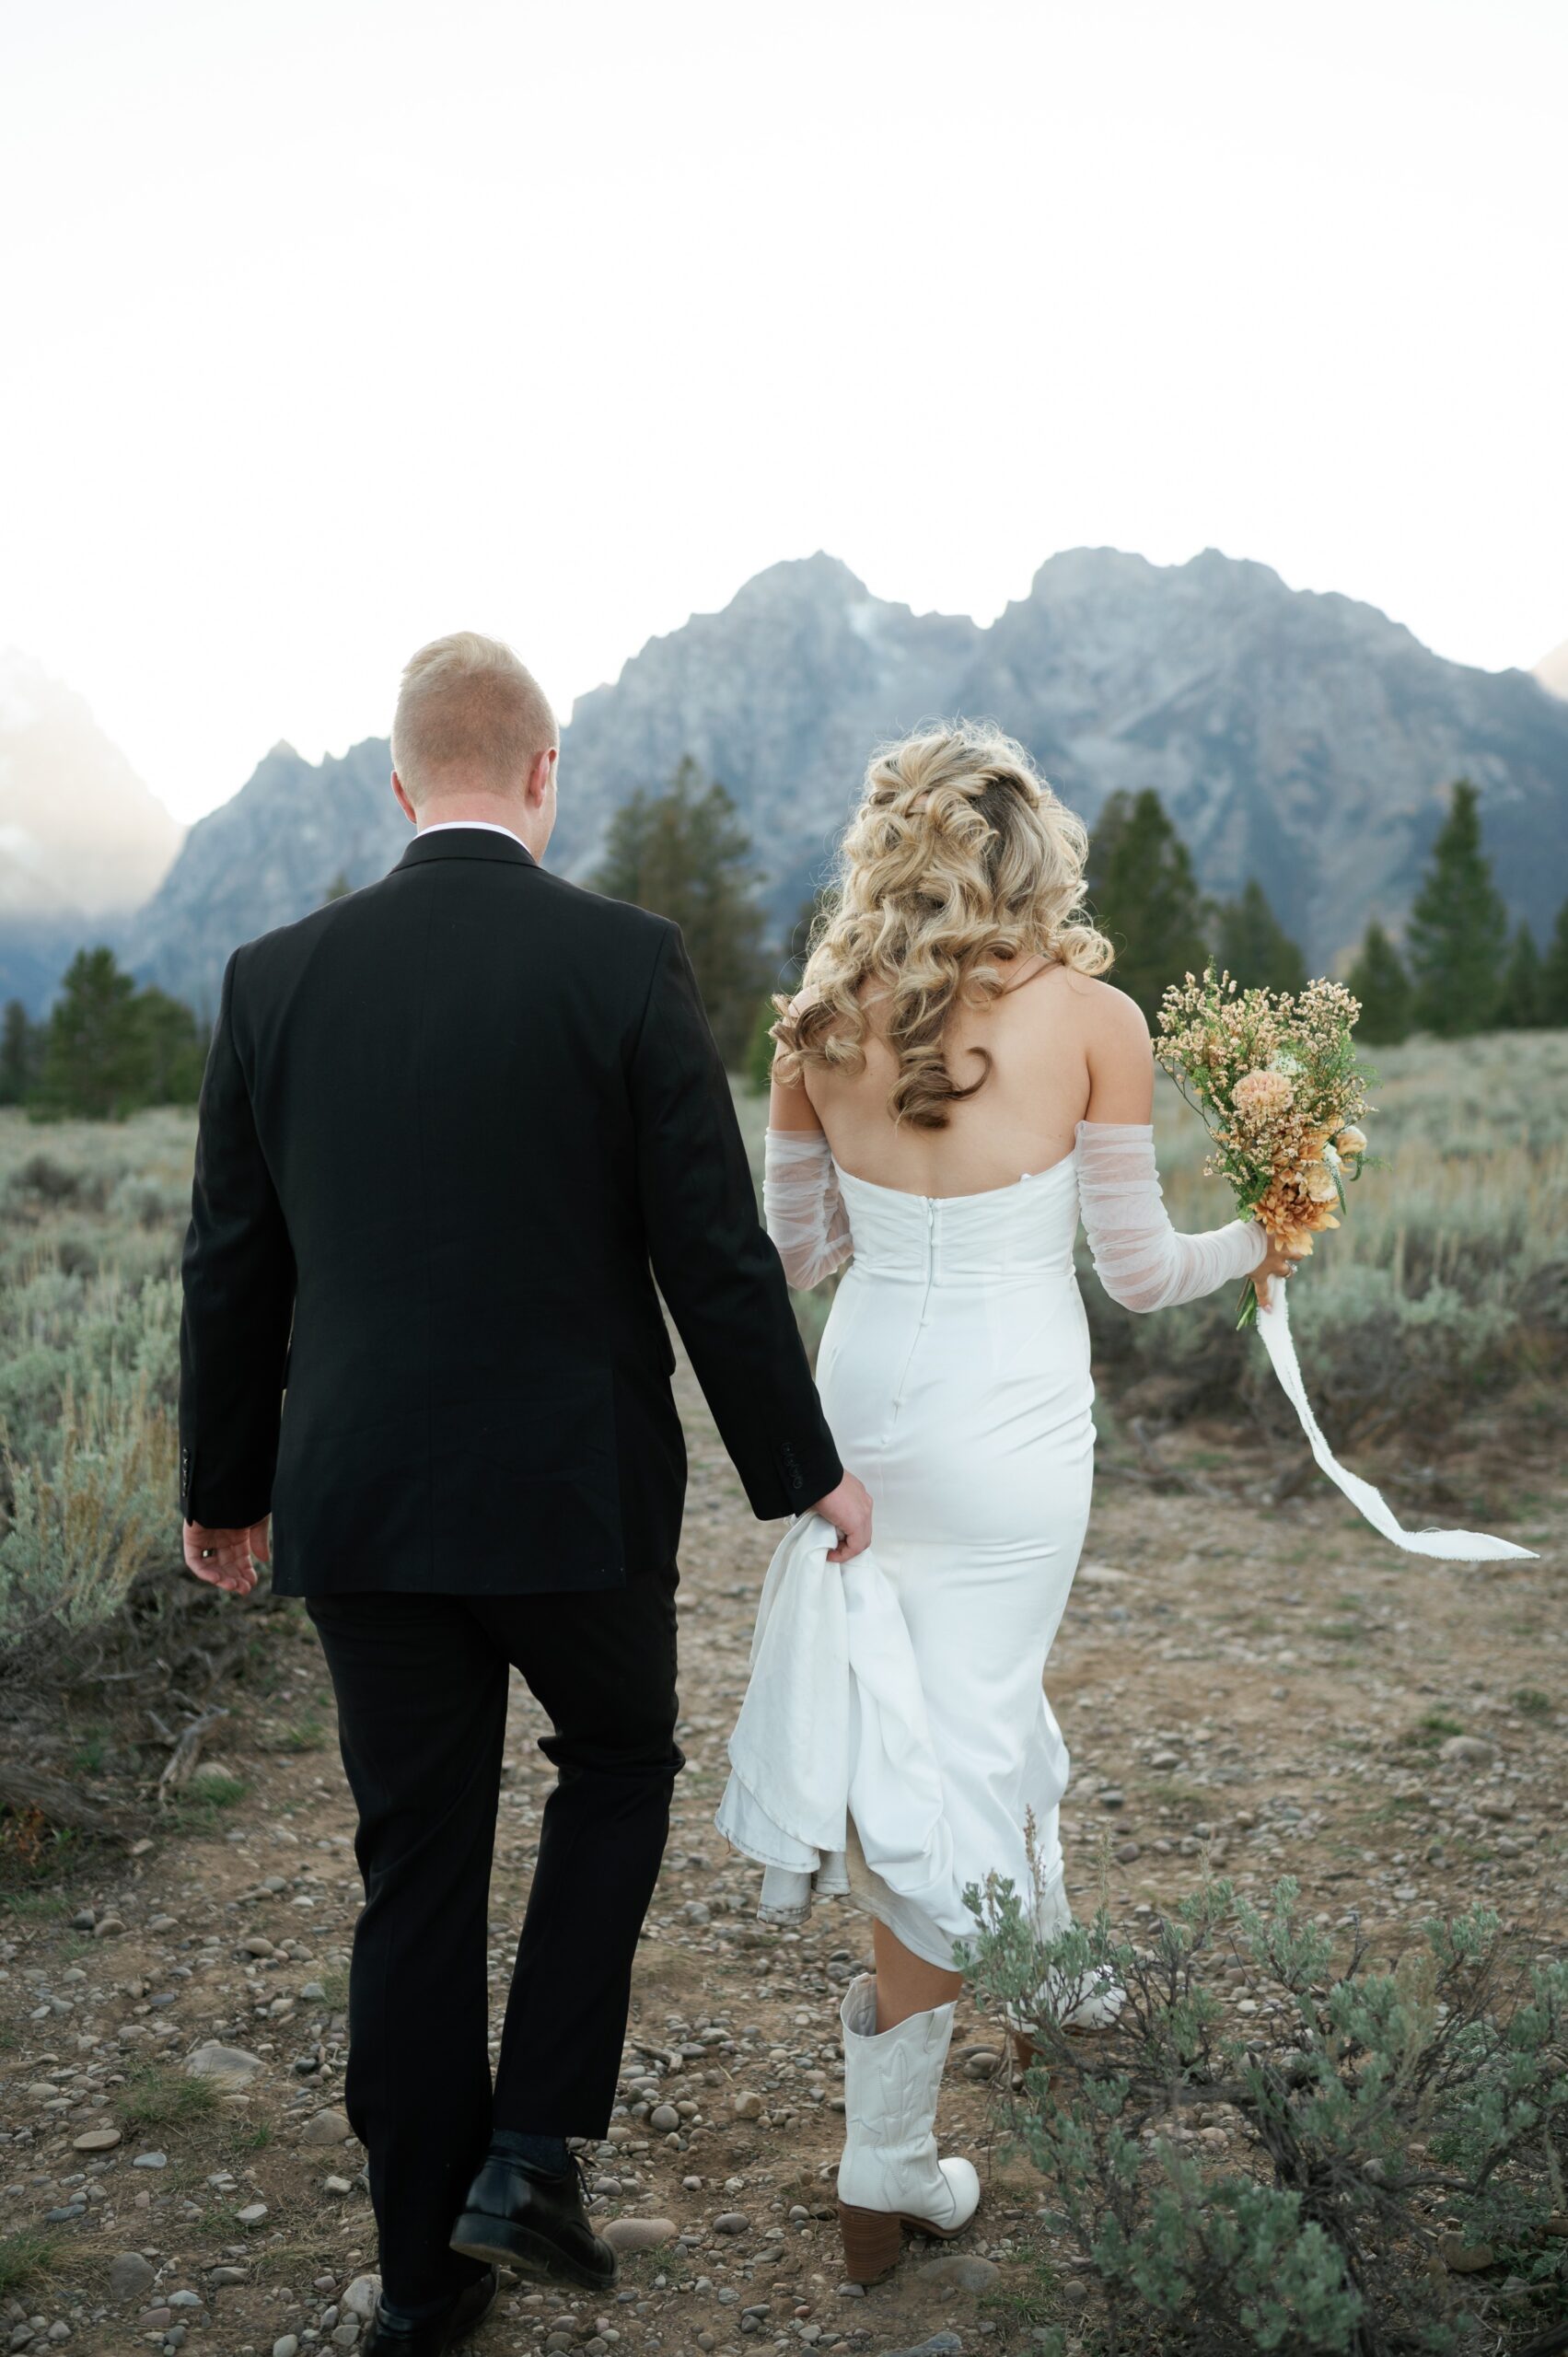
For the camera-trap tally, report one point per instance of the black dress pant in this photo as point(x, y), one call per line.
point(421, 1684)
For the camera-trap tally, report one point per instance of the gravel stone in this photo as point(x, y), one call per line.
point(130, 2277)
point(216, 2060)
point(963, 2271)
point(326, 2127)
point(625, 2235)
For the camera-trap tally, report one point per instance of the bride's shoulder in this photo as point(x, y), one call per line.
point(1111, 1028)
point(1104, 1011)
point(1116, 1032)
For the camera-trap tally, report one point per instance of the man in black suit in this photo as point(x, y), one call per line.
point(453, 1129)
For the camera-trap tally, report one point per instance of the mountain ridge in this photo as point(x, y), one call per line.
point(82, 838)
point(1302, 736)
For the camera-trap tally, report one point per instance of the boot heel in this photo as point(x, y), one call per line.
point(872, 2241)
point(1025, 2054)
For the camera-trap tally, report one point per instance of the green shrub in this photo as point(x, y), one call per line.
point(86, 1523)
point(89, 1327)
point(1288, 2180)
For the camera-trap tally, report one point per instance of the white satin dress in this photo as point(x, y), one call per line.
point(954, 1371)
point(955, 1376)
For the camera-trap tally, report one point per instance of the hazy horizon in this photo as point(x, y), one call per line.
point(335, 327)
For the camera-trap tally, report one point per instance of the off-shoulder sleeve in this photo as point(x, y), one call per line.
point(803, 1205)
point(1139, 1258)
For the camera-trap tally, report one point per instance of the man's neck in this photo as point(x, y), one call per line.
point(483, 810)
point(476, 810)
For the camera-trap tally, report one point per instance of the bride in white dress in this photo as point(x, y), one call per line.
point(952, 1090)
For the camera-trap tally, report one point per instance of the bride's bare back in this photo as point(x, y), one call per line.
point(1063, 1048)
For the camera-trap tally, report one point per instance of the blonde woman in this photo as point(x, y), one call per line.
point(952, 1088)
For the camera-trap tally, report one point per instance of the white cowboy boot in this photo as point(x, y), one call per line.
point(890, 2175)
point(1097, 2006)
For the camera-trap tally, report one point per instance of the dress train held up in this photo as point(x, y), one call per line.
point(896, 1732)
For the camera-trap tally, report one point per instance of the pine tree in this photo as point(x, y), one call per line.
point(338, 889)
point(1380, 980)
point(1105, 840)
point(171, 1050)
point(1519, 997)
point(93, 1049)
point(1140, 887)
point(1254, 948)
point(802, 934)
point(18, 1054)
point(1554, 972)
point(1456, 927)
point(686, 854)
point(760, 1048)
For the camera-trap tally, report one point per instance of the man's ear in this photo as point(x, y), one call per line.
point(539, 777)
point(409, 813)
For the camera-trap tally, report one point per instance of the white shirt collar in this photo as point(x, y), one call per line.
point(442, 826)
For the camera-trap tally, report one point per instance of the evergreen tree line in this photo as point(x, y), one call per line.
point(686, 854)
point(1459, 972)
point(104, 1050)
point(108, 1046)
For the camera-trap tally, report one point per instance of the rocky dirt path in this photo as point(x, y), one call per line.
point(1264, 1692)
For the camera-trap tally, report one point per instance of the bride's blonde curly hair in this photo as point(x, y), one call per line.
point(959, 854)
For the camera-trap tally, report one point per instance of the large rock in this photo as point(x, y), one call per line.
point(361, 2296)
point(625, 2235)
point(1468, 1750)
point(234, 2066)
point(130, 2277)
point(960, 2271)
point(326, 2127)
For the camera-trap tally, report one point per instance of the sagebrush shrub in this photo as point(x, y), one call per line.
point(83, 1524)
point(1289, 2180)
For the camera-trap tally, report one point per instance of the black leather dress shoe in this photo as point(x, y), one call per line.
point(522, 2216)
point(433, 2336)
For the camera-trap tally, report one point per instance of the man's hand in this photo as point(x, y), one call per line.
point(848, 1508)
point(228, 1558)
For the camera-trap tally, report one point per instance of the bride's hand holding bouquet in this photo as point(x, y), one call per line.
point(1274, 1077)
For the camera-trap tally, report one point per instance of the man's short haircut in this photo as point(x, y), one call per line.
point(469, 716)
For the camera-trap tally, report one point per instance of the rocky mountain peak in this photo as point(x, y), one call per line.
point(1300, 737)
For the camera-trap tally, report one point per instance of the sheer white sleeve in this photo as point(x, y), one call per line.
point(803, 1206)
point(1139, 1258)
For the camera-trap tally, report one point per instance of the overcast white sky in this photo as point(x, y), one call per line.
point(329, 326)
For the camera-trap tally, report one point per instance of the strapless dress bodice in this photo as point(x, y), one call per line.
point(1021, 1231)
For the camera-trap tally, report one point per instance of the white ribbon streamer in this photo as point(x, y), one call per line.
point(1448, 1546)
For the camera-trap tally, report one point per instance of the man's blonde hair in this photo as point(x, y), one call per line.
point(469, 716)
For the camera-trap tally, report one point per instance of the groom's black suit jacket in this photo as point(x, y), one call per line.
point(452, 1129)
